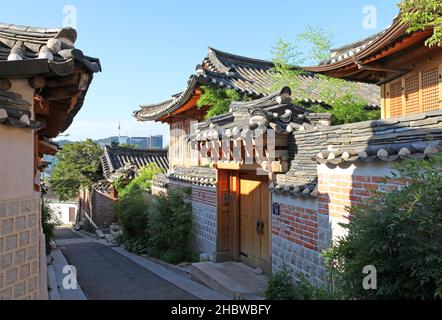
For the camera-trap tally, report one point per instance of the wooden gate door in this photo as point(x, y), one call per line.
point(254, 222)
point(72, 212)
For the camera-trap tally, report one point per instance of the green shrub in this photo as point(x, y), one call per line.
point(400, 234)
point(160, 226)
point(143, 181)
point(170, 227)
point(282, 286)
point(49, 222)
point(349, 109)
point(219, 100)
point(133, 217)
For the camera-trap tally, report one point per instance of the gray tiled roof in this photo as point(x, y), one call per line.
point(115, 158)
point(200, 176)
point(350, 50)
point(252, 77)
point(55, 47)
point(417, 136)
point(14, 111)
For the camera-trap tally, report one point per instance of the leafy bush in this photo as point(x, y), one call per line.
point(160, 226)
point(349, 109)
point(219, 100)
point(133, 217)
point(142, 182)
point(282, 286)
point(170, 227)
point(399, 233)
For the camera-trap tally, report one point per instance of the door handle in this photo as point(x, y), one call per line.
point(262, 227)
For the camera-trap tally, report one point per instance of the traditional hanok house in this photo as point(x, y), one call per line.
point(97, 203)
point(43, 84)
point(231, 199)
point(333, 168)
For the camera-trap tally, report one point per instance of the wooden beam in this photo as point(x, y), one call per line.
point(60, 93)
point(58, 82)
point(41, 106)
point(37, 82)
point(5, 84)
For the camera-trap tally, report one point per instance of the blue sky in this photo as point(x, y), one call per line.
point(148, 49)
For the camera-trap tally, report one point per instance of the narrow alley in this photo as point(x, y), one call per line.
point(105, 274)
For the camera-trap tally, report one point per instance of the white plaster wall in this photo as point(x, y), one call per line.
point(17, 153)
point(377, 169)
point(61, 211)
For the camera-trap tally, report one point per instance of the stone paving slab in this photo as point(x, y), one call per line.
point(105, 274)
point(65, 234)
point(198, 290)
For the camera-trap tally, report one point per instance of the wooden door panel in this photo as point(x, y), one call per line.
point(266, 236)
point(256, 217)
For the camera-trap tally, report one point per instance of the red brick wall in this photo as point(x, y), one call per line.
point(337, 192)
point(298, 225)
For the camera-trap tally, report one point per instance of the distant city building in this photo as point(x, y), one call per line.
point(151, 142)
point(106, 142)
point(140, 142)
point(155, 142)
point(124, 140)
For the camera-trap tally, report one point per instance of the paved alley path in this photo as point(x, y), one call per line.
point(104, 274)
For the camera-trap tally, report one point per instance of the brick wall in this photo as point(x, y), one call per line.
point(296, 237)
point(341, 188)
point(22, 268)
point(306, 226)
point(103, 213)
point(97, 206)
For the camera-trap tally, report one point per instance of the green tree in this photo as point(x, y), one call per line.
point(398, 233)
point(170, 226)
point(421, 15)
point(320, 42)
point(79, 166)
point(347, 104)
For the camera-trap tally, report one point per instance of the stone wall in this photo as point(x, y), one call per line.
point(22, 266)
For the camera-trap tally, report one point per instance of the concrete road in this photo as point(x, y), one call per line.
point(104, 274)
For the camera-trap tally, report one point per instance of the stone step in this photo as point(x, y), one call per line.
point(234, 280)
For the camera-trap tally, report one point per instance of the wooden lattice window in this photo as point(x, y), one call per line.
point(412, 94)
point(430, 89)
point(396, 99)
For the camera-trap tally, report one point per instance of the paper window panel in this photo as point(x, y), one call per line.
point(396, 99)
point(430, 89)
point(412, 94)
